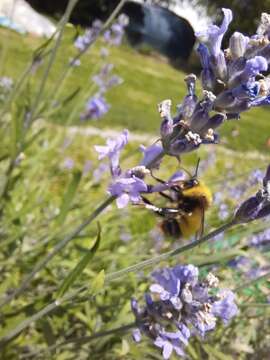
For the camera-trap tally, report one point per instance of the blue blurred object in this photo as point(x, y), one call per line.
point(161, 29)
point(8, 23)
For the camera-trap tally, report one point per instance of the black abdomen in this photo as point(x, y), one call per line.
point(171, 227)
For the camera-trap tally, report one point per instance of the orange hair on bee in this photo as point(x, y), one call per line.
point(200, 192)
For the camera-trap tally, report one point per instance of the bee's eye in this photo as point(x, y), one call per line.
point(191, 183)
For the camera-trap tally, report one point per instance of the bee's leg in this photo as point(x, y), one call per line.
point(166, 212)
point(156, 178)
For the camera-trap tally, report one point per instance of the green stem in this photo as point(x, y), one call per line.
point(172, 253)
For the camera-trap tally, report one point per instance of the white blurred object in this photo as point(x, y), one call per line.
point(191, 10)
point(25, 17)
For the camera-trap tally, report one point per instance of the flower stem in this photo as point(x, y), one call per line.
point(172, 253)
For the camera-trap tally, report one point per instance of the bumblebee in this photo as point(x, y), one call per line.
point(187, 202)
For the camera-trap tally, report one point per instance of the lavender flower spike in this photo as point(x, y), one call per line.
point(112, 151)
point(96, 107)
point(181, 306)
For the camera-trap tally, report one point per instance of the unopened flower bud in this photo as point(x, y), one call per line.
point(238, 44)
point(218, 64)
point(191, 81)
point(264, 25)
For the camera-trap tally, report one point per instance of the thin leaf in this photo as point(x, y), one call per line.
point(77, 271)
point(69, 196)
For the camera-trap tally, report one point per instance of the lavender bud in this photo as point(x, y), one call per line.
point(238, 44)
point(266, 178)
point(213, 123)
point(208, 79)
point(257, 206)
point(239, 106)
point(264, 26)
point(201, 113)
point(248, 210)
point(218, 64)
point(191, 82)
point(224, 100)
point(164, 109)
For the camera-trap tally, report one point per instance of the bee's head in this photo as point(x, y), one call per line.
point(188, 184)
point(193, 181)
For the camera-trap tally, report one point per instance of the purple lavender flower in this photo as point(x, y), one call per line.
point(188, 130)
point(114, 35)
point(104, 80)
point(127, 188)
point(6, 83)
point(180, 307)
point(96, 107)
point(225, 308)
point(207, 75)
point(257, 206)
point(238, 45)
point(68, 164)
point(223, 212)
point(231, 74)
point(255, 177)
point(213, 35)
point(99, 171)
point(150, 154)
point(112, 151)
point(248, 267)
point(84, 41)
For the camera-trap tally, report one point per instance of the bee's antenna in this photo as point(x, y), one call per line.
point(197, 169)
